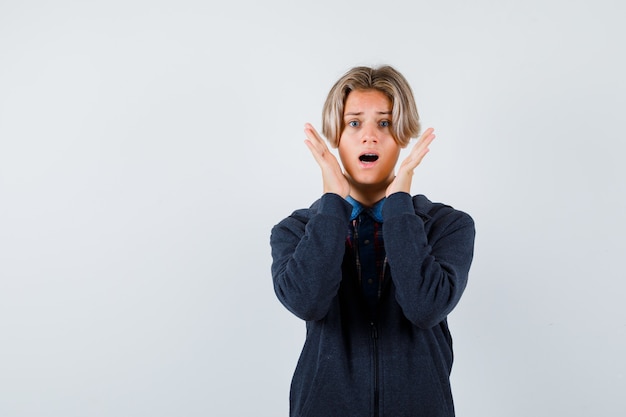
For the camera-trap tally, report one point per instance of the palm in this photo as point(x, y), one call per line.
point(332, 175)
point(404, 177)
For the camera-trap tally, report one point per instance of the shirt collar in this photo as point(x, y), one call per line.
point(375, 212)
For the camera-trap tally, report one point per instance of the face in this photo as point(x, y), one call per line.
point(367, 148)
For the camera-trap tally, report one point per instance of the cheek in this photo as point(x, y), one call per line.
point(391, 162)
point(344, 149)
point(346, 161)
point(342, 154)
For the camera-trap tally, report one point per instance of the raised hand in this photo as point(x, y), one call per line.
point(404, 176)
point(332, 175)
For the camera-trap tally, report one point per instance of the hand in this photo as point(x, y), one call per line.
point(404, 176)
point(332, 175)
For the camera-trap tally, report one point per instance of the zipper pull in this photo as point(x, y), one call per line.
point(374, 331)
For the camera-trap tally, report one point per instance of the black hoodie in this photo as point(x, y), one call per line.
point(400, 364)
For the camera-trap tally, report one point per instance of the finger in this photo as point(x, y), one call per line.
point(315, 142)
point(416, 156)
point(317, 153)
point(424, 141)
point(313, 137)
point(426, 138)
point(324, 158)
point(419, 150)
point(312, 134)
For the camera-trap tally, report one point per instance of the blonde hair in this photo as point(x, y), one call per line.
point(405, 119)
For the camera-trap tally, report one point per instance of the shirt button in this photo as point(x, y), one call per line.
point(369, 281)
point(367, 242)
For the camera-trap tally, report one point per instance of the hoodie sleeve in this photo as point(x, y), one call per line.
point(429, 271)
point(307, 257)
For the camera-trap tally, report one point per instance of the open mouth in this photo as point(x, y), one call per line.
point(368, 157)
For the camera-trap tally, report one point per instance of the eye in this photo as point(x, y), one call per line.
point(385, 123)
point(353, 123)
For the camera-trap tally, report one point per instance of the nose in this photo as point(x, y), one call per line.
point(369, 134)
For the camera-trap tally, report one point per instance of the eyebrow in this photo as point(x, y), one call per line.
point(360, 113)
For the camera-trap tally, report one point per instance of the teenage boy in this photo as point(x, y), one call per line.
point(373, 271)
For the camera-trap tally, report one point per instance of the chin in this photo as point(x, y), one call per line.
point(372, 182)
point(370, 177)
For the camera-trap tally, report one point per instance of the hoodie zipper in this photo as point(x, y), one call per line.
point(375, 348)
point(373, 328)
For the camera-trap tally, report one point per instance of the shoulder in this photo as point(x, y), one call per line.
point(303, 215)
point(297, 220)
point(440, 214)
point(328, 205)
point(330, 210)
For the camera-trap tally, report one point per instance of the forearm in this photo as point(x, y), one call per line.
point(429, 276)
point(307, 258)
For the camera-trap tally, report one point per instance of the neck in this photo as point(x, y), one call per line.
point(368, 195)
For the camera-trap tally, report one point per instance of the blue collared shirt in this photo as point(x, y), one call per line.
point(365, 237)
point(357, 208)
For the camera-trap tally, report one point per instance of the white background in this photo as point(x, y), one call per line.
point(148, 147)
